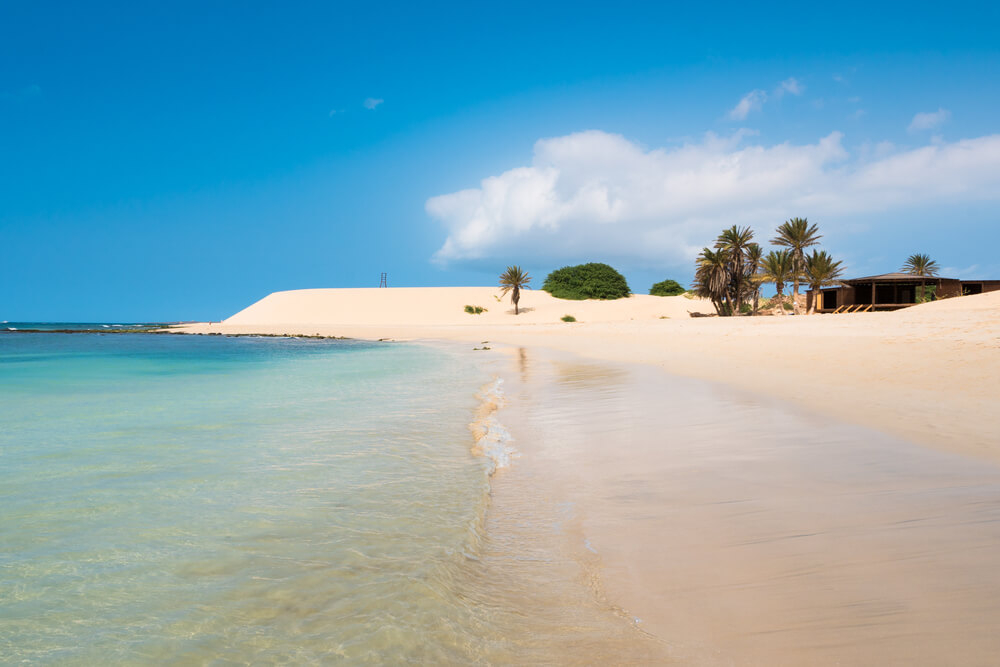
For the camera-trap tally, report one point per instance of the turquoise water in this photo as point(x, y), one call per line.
point(174, 498)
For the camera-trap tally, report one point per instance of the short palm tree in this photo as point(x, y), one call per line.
point(513, 280)
point(736, 241)
point(797, 235)
point(711, 278)
point(776, 267)
point(923, 266)
point(821, 270)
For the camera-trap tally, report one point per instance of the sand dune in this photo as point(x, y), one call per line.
point(444, 306)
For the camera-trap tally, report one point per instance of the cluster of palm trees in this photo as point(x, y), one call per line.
point(732, 273)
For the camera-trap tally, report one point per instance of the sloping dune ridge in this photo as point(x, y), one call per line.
point(439, 306)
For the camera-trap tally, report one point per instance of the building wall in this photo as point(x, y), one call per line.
point(949, 288)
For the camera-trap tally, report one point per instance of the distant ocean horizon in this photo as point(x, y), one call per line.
point(80, 326)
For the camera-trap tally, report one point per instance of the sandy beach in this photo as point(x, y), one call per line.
point(844, 511)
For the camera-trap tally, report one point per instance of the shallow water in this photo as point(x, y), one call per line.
point(188, 499)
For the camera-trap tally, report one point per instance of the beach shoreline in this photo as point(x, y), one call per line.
point(928, 374)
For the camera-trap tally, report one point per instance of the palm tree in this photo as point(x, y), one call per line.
point(923, 266)
point(736, 241)
point(711, 278)
point(797, 235)
point(776, 268)
point(513, 280)
point(821, 270)
point(754, 256)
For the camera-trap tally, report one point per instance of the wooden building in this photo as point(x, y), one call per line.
point(890, 291)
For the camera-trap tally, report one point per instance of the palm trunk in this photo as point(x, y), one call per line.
point(756, 300)
point(739, 286)
point(781, 300)
point(515, 298)
point(795, 296)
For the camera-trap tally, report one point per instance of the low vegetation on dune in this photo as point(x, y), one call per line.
point(667, 288)
point(568, 318)
point(587, 281)
point(475, 310)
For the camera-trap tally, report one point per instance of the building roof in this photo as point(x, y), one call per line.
point(893, 277)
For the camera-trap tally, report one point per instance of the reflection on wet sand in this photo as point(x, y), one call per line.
point(742, 532)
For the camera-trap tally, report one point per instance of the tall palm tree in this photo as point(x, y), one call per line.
point(776, 268)
point(754, 256)
point(923, 266)
point(513, 280)
point(821, 270)
point(797, 235)
point(736, 241)
point(711, 278)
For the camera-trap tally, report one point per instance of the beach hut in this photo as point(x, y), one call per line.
point(890, 291)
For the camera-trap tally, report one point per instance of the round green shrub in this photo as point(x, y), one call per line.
point(667, 288)
point(586, 281)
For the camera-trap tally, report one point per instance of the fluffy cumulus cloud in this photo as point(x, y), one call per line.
point(929, 120)
point(752, 101)
point(594, 194)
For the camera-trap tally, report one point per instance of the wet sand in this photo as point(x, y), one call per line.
point(739, 531)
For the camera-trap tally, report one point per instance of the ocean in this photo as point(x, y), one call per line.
point(242, 499)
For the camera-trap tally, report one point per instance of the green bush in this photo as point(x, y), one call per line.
point(667, 288)
point(475, 310)
point(568, 318)
point(586, 281)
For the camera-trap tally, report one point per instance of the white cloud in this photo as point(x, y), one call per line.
point(594, 194)
point(372, 102)
point(929, 120)
point(790, 85)
point(752, 101)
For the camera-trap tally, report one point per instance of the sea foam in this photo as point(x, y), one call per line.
point(493, 440)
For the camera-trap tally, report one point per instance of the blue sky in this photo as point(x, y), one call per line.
point(181, 160)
